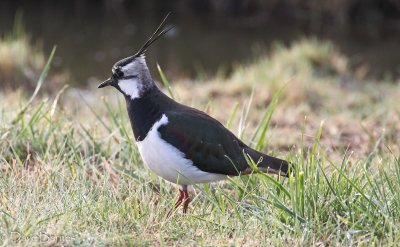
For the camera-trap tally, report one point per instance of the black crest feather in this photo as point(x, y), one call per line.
point(155, 36)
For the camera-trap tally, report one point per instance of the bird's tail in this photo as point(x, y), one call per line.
point(269, 164)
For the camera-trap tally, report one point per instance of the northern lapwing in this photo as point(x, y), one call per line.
point(179, 143)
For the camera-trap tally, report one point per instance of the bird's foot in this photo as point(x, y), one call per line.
point(186, 201)
point(180, 198)
point(183, 198)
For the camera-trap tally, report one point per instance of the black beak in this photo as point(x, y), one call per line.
point(106, 83)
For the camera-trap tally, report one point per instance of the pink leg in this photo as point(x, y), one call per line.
point(183, 198)
point(186, 201)
point(180, 198)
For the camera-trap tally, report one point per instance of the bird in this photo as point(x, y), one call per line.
point(179, 143)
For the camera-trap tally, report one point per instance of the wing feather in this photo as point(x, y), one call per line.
point(205, 141)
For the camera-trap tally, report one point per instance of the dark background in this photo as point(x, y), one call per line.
point(209, 36)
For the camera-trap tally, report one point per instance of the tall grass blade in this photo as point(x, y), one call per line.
point(263, 126)
point(42, 77)
point(165, 81)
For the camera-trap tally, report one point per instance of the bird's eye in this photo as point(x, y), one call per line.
point(118, 73)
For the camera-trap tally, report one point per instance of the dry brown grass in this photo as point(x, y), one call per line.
point(317, 87)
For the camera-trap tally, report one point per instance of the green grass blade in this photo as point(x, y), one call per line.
point(42, 77)
point(165, 81)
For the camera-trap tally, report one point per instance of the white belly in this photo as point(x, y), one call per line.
point(169, 162)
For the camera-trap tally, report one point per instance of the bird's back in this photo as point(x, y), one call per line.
point(212, 147)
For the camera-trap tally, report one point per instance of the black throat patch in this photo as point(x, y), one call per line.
point(145, 111)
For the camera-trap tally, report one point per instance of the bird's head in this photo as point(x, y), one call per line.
point(131, 75)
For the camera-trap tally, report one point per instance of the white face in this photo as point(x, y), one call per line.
point(131, 77)
point(130, 87)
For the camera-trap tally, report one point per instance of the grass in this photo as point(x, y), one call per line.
point(21, 62)
point(70, 173)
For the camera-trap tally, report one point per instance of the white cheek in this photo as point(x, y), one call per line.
point(130, 87)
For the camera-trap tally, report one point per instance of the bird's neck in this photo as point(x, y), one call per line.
point(145, 110)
